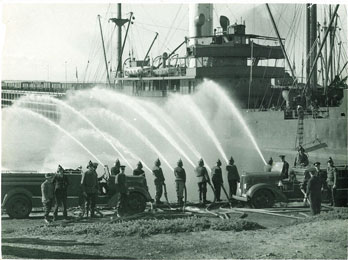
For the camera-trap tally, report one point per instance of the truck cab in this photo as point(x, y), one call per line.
point(263, 189)
point(21, 192)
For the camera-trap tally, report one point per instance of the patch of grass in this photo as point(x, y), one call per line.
point(145, 228)
point(336, 213)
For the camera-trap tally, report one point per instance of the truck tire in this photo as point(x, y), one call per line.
point(18, 206)
point(136, 203)
point(262, 199)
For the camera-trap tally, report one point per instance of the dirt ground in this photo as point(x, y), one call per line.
point(323, 237)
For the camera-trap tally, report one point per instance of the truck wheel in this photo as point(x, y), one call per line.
point(136, 203)
point(18, 206)
point(262, 199)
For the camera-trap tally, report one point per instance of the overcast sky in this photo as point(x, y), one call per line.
point(45, 41)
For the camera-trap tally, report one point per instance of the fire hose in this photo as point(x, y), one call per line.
point(228, 197)
point(211, 186)
point(166, 195)
point(305, 199)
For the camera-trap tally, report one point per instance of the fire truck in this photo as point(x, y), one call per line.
point(21, 192)
point(264, 189)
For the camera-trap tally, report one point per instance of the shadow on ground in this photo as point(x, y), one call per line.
point(21, 252)
point(46, 242)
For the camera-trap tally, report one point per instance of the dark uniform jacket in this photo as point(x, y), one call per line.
point(314, 186)
point(232, 173)
point(139, 172)
point(331, 176)
point(202, 174)
point(60, 181)
point(301, 160)
point(216, 174)
point(115, 170)
point(121, 183)
point(89, 181)
point(180, 174)
point(159, 177)
point(285, 170)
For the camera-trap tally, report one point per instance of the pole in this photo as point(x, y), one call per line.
point(320, 49)
point(119, 39)
point(119, 66)
point(106, 63)
point(281, 44)
point(142, 64)
point(313, 38)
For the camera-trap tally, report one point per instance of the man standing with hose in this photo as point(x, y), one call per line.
point(180, 180)
point(159, 181)
point(203, 179)
point(216, 177)
point(232, 176)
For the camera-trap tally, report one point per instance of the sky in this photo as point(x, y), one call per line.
point(56, 41)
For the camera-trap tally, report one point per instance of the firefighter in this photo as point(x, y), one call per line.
point(180, 179)
point(285, 169)
point(140, 172)
point(159, 181)
point(60, 182)
point(116, 168)
point(89, 184)
point(47, 192)
point(232, 177)
point(203, 179)
point(331, 181)
point(301, 159)
point(121, 188)
point(314, 192)
point(216, 177)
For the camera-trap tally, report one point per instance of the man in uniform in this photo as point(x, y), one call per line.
point(285, 170)
point(47, 192)
point(301, 159)
point(121, 188)
point(89, 184)
point(314, 192)
point(216, 177)
point(331, 181)
point(140, 172)
point(61, 183)
point(116, 168)
point(180, 179)
point(203, 179)
point(232, 177)
point(159, 181)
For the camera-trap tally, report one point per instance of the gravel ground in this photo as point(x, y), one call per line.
point(323, 237)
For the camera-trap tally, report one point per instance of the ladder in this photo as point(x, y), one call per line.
point(299, 136)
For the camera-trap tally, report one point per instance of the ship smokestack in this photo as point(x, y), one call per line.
point(196, 12)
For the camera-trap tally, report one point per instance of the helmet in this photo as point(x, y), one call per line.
point(180, 164)
point(140, 165)
point(117, 163)
point(218, 162)
point(60, 169)
point(201, 162)
point(231, 160)
point(95, 165)
point(158, 162)
point(330, 161)
point(89, 165)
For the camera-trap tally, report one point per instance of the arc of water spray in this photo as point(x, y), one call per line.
point(196, 112)
point(51, 123)
point(113, 139)
point(114, 116)
point(174, 128)
point(236, 112)
point(153, 122)
point(92, 125)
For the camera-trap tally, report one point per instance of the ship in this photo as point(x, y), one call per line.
point(281, 111)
